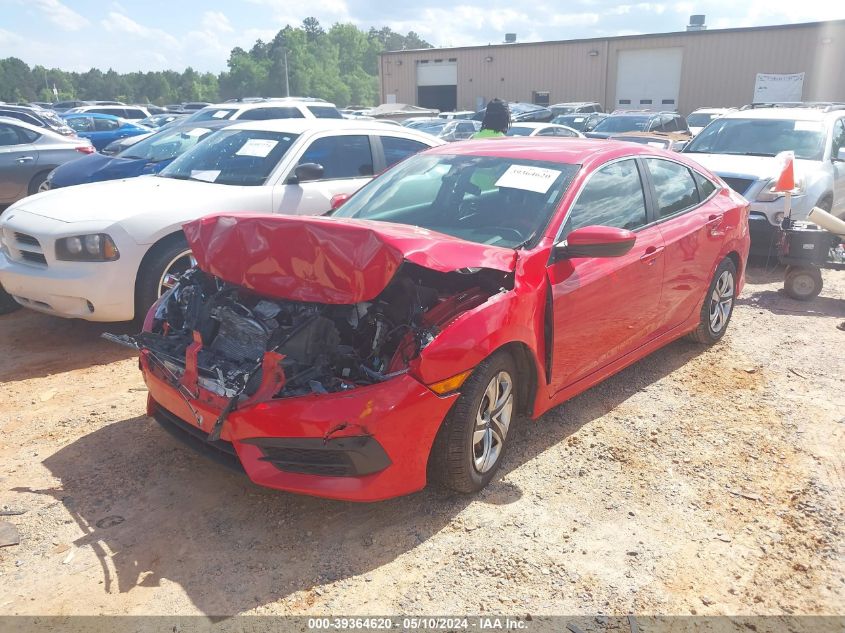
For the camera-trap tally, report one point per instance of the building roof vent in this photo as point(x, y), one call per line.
point(696, 23)
point(510, 38)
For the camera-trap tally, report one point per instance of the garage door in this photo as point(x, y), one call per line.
point(649, 79)
point(437, 84)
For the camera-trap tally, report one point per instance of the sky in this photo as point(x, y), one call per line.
point(159, 35)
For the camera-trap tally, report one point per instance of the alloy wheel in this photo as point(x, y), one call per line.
point(492, 422)
point(721, 302)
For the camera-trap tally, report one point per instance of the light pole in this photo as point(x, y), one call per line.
point(287, 81)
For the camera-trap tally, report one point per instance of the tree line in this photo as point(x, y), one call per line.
point(339, 65)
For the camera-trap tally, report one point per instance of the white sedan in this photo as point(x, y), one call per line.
point(543, 129)
point(105, 251)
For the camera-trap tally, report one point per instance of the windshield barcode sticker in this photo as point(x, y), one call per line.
point(537, 179)
point(197, 131)
point(220, 114)
point(258, 147)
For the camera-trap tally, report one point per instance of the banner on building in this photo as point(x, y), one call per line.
point(771, 88)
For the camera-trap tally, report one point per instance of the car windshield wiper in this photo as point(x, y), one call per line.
point(174, 176)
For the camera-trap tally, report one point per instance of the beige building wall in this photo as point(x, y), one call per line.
point(719, 67)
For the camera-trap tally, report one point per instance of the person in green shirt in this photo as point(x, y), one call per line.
point(497, 120)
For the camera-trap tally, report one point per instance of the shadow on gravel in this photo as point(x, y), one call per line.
point(36, 345)
point(152, 509)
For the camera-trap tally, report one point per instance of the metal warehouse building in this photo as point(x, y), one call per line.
point(673, 71)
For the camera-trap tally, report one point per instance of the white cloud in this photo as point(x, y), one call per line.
point(7, 38)
point(62, 16)
point(216, 21)
point(121, 23)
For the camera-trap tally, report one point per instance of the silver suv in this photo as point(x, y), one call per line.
point(740, 147)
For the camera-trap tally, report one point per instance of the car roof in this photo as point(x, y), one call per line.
point(300, 126)
point(709, 109)
point(534, 125)
point(800, 114)
point(573, 103)
point(267, 103)
point(572, 151)
point(97, 115)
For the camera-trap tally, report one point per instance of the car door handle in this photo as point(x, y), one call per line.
point(25, 159)
point(651, 254)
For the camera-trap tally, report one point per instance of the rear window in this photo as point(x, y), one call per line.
point(265, 114)
point(325, 112)
point(622, 123)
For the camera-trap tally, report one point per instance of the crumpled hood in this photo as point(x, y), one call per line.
point(326, 260)
point(117, 200)
point(758, 167)
point(95, 168)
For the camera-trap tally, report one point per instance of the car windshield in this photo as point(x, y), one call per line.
point(166, 145)
point(485, 199)
point(700, 119)
point(575, 121)
point(232, 157)
point(519, 130)
point(622, 123)
point(760, 137)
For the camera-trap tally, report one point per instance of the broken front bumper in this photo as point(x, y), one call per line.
point(366, 444)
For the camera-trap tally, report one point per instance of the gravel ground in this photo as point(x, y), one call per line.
point(698, 481)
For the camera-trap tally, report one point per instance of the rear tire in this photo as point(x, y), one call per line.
point(803, 283)
point(36, 182)
point(161, 257)
point(471, 443)
point(718, 305)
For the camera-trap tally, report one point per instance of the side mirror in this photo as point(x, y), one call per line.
point(339, 199)
point(595, 241)
point(306, 172)
point(840, 155)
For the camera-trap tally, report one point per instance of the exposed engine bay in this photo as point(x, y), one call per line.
point(323, 348)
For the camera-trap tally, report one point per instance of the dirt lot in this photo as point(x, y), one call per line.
point(701, 481)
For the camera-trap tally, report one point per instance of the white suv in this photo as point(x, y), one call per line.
point(266, 109)
point(701, 118)
point(105, 251)
point(740, 147)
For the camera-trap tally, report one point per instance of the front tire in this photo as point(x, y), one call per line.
point(7, 304)
point(718, 305)
point(159, 269)
point(471, 443)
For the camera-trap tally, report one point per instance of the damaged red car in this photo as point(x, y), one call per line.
point(362, 355)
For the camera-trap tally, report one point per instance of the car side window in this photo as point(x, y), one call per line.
point(105, 125)
point(341, 156)
point(81, 123)
point(9, 136)
point(705, 186)
point(547, 131)
point(612, 197)
point(674, 186)
point(563, 132)
point(133, 113)
point(838, 138)
point(397, 149)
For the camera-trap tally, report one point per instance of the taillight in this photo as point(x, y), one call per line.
point(85, 149)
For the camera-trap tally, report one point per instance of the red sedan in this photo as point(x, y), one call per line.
point(360, 356)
